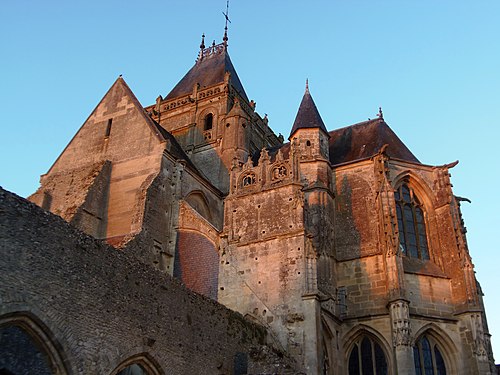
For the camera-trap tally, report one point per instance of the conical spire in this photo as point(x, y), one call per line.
point(307, 116)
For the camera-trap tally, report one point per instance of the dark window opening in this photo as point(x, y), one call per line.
point(134, 369)
point(308, 143)
point(411, 224)
point(108, 128)
point(367, 358)
point(427, 358)
point(209, 121)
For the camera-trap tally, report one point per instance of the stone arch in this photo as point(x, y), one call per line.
point(446, 345)
point(247, 179)
point(203, 115)
point(362, 330)
point(196, 262)
point(143, 360)
point(32, 338)
point(426, 198)
point(423, 191)
point(199, 202)
point(328, 339)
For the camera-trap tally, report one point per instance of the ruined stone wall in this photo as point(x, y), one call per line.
point(118, 131)
point(79, 196)
point(99, 307)
point(169, 220)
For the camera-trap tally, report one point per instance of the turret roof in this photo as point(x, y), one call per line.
point(307, 116)
point(209, 69)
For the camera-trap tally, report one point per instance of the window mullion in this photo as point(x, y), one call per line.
point(415, 228)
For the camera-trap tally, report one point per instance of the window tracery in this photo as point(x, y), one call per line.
point(411, 223)
point(367, 358)
point(428, 358)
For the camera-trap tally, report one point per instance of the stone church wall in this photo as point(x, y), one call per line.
point(99, 307)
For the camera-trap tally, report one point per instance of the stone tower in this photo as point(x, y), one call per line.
point(348, 250)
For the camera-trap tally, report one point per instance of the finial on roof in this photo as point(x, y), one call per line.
point(380, 115)
point(307, 85)
point(202, 46)
point(226, 15)
point(120, 76)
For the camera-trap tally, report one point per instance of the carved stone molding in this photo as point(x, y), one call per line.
point(401, 327)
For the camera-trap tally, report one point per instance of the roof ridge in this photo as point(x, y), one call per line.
point(358, 123)
point(138, 104)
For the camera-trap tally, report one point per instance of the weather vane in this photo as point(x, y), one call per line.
point(226, 15)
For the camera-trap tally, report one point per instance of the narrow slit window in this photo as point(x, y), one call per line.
point(209, 119)
point(108, 127)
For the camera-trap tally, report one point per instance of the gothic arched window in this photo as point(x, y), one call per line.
point(427, 357)
point(133, 369)
point(411, 224)
point(367, 358)
point(208, 122)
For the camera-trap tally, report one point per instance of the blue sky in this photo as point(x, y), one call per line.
point(432, 66)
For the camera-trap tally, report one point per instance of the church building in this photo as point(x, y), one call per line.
point(345, 248)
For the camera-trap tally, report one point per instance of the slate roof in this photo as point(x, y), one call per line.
point(355, 142)
point(365, 139)
point(307, 115)
point(208, 72)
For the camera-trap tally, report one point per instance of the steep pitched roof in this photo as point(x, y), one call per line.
point(355, 142)
point(207, 71)
point(365, 139)
point(307, 115)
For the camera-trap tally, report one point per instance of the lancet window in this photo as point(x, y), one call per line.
point(367, 358)
point(427, 357)
point(209, 119)
point(411, 224)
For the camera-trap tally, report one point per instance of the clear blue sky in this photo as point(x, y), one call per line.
point(433, 66)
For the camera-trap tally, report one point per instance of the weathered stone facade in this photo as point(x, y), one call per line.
point(71, 304)
point(346, 249)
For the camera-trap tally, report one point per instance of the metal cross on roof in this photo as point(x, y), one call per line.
point(226, 15)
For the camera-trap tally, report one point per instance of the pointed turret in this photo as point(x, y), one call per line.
point(308, 116)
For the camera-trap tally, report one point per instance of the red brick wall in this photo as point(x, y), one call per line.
point(197, 263)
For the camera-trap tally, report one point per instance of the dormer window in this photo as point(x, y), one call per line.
point(411, 224)
point(208, 122)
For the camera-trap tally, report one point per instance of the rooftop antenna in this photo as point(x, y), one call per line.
point(226, 15)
